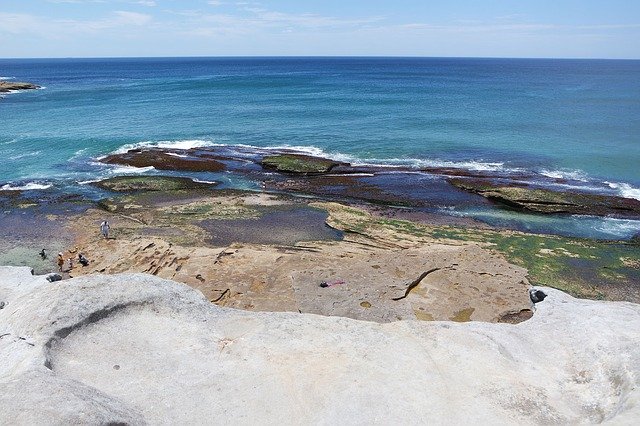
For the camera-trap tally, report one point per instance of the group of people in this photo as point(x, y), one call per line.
point(82, 260)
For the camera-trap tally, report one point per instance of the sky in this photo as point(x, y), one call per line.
point(433, 28)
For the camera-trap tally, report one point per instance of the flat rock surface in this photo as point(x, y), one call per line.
point(138, 349)
point(379, 276)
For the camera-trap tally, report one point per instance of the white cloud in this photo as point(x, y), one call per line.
point(15, 23)
point(130, 18)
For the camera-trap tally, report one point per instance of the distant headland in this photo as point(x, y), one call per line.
point(6, 86)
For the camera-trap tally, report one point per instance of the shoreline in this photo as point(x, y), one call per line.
point(172, 234)
point(522, 201)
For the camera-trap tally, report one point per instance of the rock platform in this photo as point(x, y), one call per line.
point(137, 349)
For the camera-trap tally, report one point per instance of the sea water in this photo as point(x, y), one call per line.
point(573, 119)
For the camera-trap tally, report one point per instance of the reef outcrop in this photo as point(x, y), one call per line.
point(546, 201)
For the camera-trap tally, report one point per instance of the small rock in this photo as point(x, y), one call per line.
point(537, 295)
point(54, 277)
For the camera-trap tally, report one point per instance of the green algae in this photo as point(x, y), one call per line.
point(582, 267)
point(150, 183)
point(295, 163)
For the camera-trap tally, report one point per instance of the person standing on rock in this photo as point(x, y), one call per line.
point(104, 228)
point(60, 262)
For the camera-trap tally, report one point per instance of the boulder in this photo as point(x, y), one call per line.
point(138, 349)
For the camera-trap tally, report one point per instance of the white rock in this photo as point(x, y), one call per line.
point(138, 349)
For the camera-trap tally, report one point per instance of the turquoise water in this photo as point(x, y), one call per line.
point(577, 119)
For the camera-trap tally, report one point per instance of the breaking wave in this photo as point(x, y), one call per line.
point(180, 144)
point(625, 190)
point(26, 187)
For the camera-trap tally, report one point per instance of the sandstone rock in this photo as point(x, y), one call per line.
point(138, 349)
point(465, 282)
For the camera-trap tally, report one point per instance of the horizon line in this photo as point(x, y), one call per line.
point(320, 57)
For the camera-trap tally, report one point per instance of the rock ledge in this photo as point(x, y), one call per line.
point(137, 349)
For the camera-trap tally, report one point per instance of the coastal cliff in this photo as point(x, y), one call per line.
point(138, 349)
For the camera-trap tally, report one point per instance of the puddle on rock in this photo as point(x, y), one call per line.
point(280, 227)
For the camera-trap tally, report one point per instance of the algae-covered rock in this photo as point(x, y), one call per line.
point(548, 201)
point(298, 163)
point(150, 183)
point(108, 204)
point(163, 160)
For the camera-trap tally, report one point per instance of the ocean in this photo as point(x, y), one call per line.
point(575, 120)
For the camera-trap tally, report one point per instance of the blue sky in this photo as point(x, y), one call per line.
point(485, 28)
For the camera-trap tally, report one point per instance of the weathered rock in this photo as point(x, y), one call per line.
point(150, 183)
point(81, 351)
point(6, 86)
point(164, 160)
point(431, 282)
point(547, 201)
point(298, 163)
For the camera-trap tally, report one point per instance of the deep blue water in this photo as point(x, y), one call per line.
point(571, 118)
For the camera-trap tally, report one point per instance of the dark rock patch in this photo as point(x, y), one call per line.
point(6, 86)
point(516, 317)
point(148, 183)
point(164, 160)
point(548, 201)
point(298, 163)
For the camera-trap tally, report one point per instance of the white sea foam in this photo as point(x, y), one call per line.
point(30, 154)
point(204, 181)
point(578, 175)
point(625, 190)
point(78, 153)
point(26, 187)
point(173, 154)
point(479, 165)
point(118, 170)
point(86, 182)
point(179, 144)
point(7, 78)
point(616, 228)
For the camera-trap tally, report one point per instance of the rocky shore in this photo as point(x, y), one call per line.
point(271, 251)
point(338, 308)
point(81, 351)
point(396, 185)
